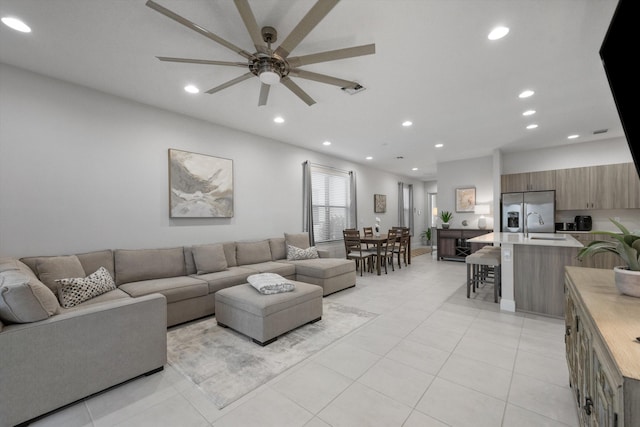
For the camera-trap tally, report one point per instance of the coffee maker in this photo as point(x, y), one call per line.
point(583, 222)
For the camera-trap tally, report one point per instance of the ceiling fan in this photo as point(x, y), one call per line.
point(273, 66)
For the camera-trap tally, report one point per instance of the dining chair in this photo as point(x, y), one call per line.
point(353, 249)
point(402, 243)
point(367, 232)
point(388, 250)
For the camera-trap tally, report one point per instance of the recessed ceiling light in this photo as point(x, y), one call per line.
point(414, 169)
point(529, 113)
point(573, 136)
point(407, 123)
point(278, 120)
point(191, 89)
point(439, 145)
point(16, 24)
point(498, 33)
point(532, 126)
point(369, 158)
point(526, 93)
point(326, 143)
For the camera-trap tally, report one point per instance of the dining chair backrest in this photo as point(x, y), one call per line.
point(392, 237)
point(352, 240)
point(368, 231)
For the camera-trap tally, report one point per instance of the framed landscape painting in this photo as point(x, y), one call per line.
point(379, 203)
point(200, 186)
point(465, 199)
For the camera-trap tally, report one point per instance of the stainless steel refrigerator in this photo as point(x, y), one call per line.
point(538, 208)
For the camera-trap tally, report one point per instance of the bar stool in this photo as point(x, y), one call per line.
point(483, 267)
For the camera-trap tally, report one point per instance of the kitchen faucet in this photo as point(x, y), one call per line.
point(526, 222)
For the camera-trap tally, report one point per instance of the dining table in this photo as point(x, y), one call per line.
point(379, 242)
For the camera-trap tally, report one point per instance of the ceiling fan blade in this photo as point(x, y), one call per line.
point(304, 27)
point(322, 78)
point(197, 28)
point(252, 25)
point(201, 61)
point(264, 94)
point(297, 90)
point(332, 55)
point(230, 83)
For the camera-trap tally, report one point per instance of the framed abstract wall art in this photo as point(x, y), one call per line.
point(200, 186)
point(465, 199)
point(379, 203)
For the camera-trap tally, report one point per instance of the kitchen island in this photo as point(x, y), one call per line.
point(533, 270)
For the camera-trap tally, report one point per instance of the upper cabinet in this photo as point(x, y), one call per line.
point(633, 183)
point(529, 181)
point(597, 187)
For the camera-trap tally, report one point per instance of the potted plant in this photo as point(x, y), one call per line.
point(627, 246)
point(446, 216)
point(426, 235)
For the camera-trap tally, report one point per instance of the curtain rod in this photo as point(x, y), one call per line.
point(327, 167)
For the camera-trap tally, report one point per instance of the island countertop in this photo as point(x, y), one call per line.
point(558, 240)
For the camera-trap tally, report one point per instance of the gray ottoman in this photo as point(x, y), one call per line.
point(265, 317)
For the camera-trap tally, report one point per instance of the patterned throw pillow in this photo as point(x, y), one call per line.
point(74, 291)
point(296, 254)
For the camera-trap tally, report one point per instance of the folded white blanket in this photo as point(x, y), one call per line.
point(270, 283)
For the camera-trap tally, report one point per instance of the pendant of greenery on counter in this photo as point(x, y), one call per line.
point(627, 246)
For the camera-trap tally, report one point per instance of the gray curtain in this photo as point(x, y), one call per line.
point(353, 208)
point(307, 203)
point(410, 225)
point(401, 204)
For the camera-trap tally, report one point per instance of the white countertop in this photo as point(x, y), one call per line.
point(558, 240)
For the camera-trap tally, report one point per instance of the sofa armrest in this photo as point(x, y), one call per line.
point(59, 360)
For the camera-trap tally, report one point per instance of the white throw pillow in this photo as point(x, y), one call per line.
point(77, 290)
point(295, 254)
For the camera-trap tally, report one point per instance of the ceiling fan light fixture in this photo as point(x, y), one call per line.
point(269, 77)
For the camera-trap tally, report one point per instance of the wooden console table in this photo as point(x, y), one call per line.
point(453, 245)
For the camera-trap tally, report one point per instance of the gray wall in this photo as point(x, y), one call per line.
point(81, 170)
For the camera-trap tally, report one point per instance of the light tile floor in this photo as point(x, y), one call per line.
point(431, 358)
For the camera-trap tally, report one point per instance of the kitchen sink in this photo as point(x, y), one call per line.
point(548, 236)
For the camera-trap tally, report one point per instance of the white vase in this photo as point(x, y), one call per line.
point(445, 225)
point(627, 281)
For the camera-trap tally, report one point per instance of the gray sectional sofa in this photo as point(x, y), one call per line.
point(53, 356)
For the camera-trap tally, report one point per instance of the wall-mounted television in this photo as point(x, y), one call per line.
point(619, 54)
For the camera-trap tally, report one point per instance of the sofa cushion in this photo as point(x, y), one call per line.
point(24, 299)
point(50, 269)
point(135, 265)
point(253, 252)
point(92, 261)
point(74, 291)
point(7, 264)
point(173, 288)
point(209, 258)
point(282, 268)
point(230, 253)
point(232, 276)
point(295, 253)
point(278, 248)
point(299, 240)
point(323, 268)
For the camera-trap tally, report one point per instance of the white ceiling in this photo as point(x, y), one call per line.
point(433, 65)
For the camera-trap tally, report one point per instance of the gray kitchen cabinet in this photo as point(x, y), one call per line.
point(528, 181)
point(595, 187)
point(633, 183)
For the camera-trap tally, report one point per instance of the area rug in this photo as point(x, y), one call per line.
point(420, 251)
point(227, 365)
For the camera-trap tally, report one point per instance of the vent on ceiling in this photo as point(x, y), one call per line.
point(352, 90)
point(596, 132)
